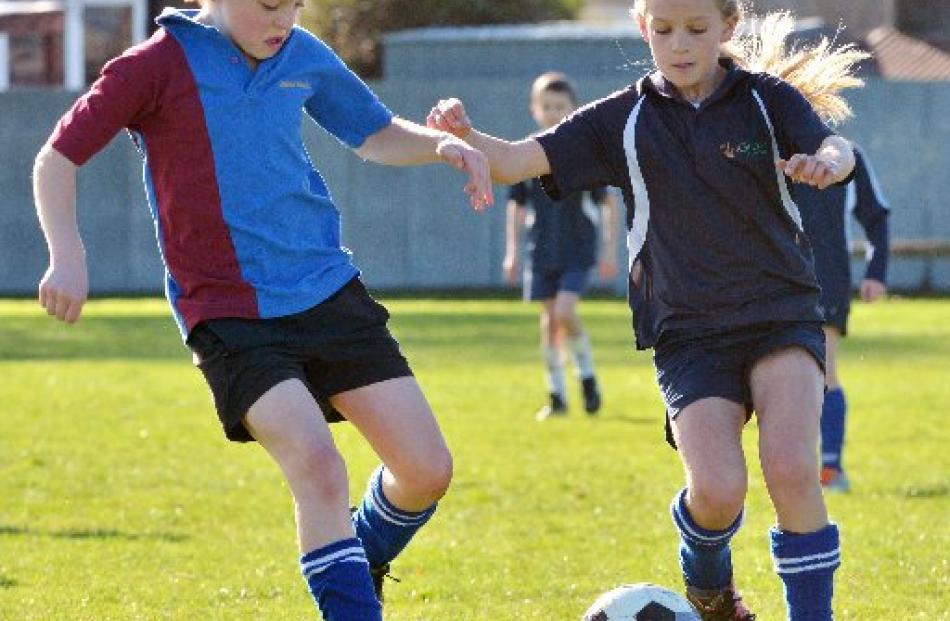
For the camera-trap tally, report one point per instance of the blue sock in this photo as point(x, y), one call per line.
point(704, 554)
point(806, 564)
point(383, 528)
point(832, 428)
point(338, 578)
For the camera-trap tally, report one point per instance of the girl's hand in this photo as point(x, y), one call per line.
point(510, 268)
point(64, 289)
point(449, 116)
point(809, 169)
point(872, 290)
point(470, 160)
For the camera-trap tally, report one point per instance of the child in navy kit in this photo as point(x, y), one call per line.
point(267, 298)
point(561, 250)
point(722, 285)
point(827, 224)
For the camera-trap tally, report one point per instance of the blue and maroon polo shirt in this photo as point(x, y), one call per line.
point(244, 221)
point(715, 239)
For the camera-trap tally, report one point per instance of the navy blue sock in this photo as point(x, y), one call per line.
point(338, 578)
point(383, 528)
point(806, 564)
point(705, 556)
point(832, 428)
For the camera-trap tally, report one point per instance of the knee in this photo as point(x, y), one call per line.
point(791, 474)
point(715, 502)
point(319, 467)
point(565, 318)
point(431, 480)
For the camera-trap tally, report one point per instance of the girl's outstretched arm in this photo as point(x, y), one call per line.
point(65, 285)
point(511, 162)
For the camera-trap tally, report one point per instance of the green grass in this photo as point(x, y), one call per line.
point(120, 500)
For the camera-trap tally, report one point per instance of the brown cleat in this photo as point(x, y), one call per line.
point(724, 605)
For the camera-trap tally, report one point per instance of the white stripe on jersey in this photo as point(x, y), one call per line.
point(637, 235)
point(790, 207)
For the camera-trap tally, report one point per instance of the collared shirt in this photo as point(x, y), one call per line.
point(826, 215)
point(561, 234)
point(244, 221)
point(714, 237)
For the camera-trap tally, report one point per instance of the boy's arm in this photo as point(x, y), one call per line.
point(404, 143)
point(65, 285)
point(608, 247)
point(514, 222)
point(511, 162)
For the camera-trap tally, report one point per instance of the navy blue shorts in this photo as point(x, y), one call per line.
point(691, 366)
point(836, 315)
point(545, 284)
point(339, 345)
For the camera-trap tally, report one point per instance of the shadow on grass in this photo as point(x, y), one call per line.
point(926, 491)
point(7, 583)
point(103, 534)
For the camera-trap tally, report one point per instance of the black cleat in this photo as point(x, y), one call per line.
point(378, 574)
point(591, 395)
point(555, 409)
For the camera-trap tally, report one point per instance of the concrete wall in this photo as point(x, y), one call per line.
point(411, 228)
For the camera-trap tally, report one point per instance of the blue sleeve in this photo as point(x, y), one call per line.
point(798, 128)
point(342, 103)
point(519, 193)
point(871, 211)
point(585, 150)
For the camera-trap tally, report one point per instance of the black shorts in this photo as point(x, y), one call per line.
point(339, 345)
point(836, 315)
point(691, 366)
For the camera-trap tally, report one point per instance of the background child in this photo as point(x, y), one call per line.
point(827, 223)
point(561, 249)
point(268, 300)
point(722, 283)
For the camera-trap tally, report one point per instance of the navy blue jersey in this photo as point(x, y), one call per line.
point(826, 215)
point(561, 234)
point(715, 239)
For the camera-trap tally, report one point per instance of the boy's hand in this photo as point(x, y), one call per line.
point(472, 161)
point(809, 169)
point(607, 269)
point(510, 267)
point(64, 289)
point(449, 116)
point(872, 290)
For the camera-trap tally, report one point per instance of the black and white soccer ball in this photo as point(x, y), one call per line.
point(641, 602)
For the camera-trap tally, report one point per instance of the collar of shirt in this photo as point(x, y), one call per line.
point(657, 83)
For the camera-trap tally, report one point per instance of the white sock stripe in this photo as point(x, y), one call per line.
point(687, 528)
point(781, 561)
point(814, 567)
point(394, 515)
point(319, 570)
point(329, 558)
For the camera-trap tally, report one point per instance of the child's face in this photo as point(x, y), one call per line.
point(258, 27)
point(684, 38)
point(549, 107)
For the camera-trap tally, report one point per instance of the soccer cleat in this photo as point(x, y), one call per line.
point(724, 605)
point(379, 573)
point(834, 480)
point(591, 395)
point(556, 408)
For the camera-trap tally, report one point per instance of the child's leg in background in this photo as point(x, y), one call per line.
point(787, 388)
point(551, 341)
point(708, 512)
point(288, 423)
point(834, 408)
point(569, 322)
point(396, 419)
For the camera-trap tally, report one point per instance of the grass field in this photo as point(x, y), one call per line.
point(120, 500)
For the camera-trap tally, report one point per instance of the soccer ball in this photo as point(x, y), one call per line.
point(641, 602)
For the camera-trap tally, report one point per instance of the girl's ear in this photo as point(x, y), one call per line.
point(730, 29)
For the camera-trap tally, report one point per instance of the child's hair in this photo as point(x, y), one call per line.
point(818, 71)
point(553, 82)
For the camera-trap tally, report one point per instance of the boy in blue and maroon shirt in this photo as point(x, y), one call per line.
point(262, 291)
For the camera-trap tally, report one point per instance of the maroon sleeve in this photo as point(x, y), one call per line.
point(123, 94)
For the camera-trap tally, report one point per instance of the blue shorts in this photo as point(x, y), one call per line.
point(545, 284)
point(836, 315)
point(691, 366)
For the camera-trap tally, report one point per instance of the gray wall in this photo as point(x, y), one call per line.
point(412, 228)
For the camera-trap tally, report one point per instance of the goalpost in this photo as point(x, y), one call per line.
point(74, 35)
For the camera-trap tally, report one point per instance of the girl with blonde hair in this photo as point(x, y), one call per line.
point(722, 284)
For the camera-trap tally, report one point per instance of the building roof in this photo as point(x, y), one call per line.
point(900, 56)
